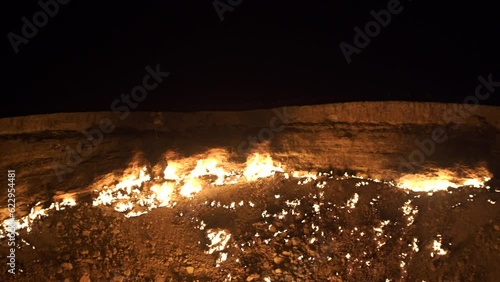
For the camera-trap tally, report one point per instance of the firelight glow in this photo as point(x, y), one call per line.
point(443, 179)
point(141, 188)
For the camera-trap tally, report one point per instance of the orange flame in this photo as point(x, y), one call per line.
point(442, 179)
point(260, 166)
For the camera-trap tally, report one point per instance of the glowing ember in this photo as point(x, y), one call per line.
point(306, 176)
point(123, 207)
point(134, 213)
point(218, 240)
point(351, 203)
point(414, 245)
point(63, 201)
point(379, 233)
point(409, 211)
point(436, 247)
point(68, 202)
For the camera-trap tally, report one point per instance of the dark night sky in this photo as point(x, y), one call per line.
point(262, 55)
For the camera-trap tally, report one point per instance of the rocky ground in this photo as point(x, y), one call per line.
point(333, 228)
point(369, 138)
point(329, 229)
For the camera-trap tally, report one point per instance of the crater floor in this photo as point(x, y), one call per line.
point(171, 196)
point(331, 228)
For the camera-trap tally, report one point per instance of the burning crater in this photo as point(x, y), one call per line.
point(328, 197)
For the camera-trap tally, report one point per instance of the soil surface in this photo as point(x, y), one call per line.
point(330, 227)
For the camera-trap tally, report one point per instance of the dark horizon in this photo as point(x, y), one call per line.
point(261, 55)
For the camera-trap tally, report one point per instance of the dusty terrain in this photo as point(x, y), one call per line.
point(345, 229)
point(338, 240)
